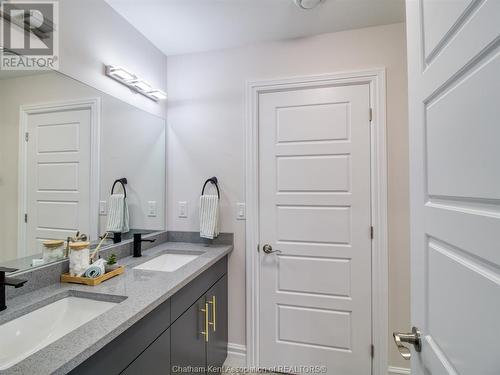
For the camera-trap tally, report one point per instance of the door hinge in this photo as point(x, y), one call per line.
point(258, 247)
point(372, 351)
point(25, 218)
point(371, 233)
point(370, 115)
point(26, 136)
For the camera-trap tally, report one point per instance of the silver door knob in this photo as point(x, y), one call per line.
point(412, 338)
point(268, 249)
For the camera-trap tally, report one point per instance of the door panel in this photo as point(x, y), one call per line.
point(327, 121)
point(318, 173)
point(332, 276)
point(454, 81)
point(58, 176)
point(439, 19)
point(326, 224)
point(312, 330)
point(315, 294)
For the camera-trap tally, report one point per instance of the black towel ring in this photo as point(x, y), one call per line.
point(215, 182)
point(123, 182)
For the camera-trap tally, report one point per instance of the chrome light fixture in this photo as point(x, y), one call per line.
point(308, 4)
point(157, 94)
point(133, 82)
point(141, 86)
point(119, 74)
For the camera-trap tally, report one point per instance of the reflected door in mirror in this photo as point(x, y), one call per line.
point(58, 176)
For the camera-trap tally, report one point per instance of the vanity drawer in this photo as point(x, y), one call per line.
point(185, 297)
point(155, 360)
point(123, 350)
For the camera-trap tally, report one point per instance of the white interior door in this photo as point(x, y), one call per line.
point(315, 292)
point(58, 176)
point(454, 97)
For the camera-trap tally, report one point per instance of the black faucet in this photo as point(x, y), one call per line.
point(137, 244)
point(10, 281)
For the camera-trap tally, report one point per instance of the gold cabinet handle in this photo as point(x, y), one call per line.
point(214, 312)
point(205, 332)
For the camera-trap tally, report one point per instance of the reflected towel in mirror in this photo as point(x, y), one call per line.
point(118, 216)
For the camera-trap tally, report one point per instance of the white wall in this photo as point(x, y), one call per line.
point(207, 137)
point(93, 34)
point(132, 146)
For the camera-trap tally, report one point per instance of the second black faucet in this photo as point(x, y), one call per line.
point(138, 244)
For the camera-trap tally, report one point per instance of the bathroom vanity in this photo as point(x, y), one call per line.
point(167, 313)
point(188, 331)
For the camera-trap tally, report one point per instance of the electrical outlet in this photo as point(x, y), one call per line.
point(241, 209)
point(102, 207)
point(152, 209)
point(183, 209)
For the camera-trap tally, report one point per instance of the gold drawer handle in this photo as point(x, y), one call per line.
point(205, 332)
point(212, 302)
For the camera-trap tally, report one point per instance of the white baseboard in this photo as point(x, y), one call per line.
point(236, 355)
point(398, 370)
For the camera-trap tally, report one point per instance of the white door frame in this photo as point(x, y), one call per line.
point(94, 105)
point(375, 78)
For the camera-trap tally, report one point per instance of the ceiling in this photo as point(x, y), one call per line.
point(187, 26)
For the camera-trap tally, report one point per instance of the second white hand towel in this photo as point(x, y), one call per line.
point(209, 216)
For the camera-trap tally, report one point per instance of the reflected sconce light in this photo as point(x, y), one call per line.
point(133, 82)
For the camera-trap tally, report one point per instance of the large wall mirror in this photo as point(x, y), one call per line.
point(63, 145)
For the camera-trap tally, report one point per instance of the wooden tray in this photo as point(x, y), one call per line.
point(67, 278)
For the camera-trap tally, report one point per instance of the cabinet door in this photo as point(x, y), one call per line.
point(155, 360)
point(188, 354)
point(217, 343)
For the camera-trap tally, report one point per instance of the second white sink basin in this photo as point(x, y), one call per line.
point(167, 262)
point(31, 332)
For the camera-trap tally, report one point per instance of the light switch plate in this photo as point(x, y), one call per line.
point(102, 208)
point(152, 209)
point(241, 211)
point(183, 209)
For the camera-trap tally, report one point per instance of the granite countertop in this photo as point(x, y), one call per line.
point(144, 291)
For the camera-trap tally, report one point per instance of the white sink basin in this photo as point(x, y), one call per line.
point(167, 262)
point(31, 332)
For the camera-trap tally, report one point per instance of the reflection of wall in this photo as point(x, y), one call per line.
point(92, 34)
point(207, 137)
point(132, 146)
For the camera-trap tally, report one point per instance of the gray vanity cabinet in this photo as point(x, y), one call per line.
point(155, 360)
point(193, 348)
point(124, 349)
point(188, 353)
point(217, 340)
point(169, 340)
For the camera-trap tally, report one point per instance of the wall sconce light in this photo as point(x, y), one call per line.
point(130, 80)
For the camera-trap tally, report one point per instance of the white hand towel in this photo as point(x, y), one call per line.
point(118, 216)
point(209, 216)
